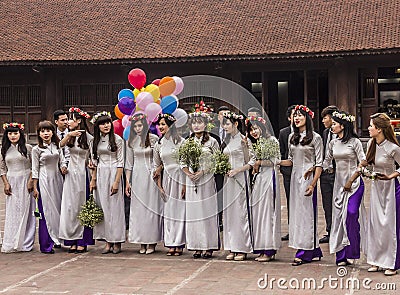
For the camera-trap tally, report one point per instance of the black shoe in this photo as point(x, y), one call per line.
point(324, 240)
point(79, 251)
point(285, 238)
point(57, 246)
point(196, 255)
point(72, 250)
point(51, 252)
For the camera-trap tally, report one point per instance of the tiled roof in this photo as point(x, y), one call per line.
point(146, 30)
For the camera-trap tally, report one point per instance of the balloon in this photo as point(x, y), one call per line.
point(125, 121)
point(179, 85)
point(126, 93)
point(126, 132)
point(154, 91)
point(126, 105)
point(137, 91)
point(169, 104)
point(167, 86)
point(118, 128)
point(118, 113)
point(181, 117)
point(137, 78)
point(156, 82)
point(143, 99)
point(154, 129)
point(152, 111)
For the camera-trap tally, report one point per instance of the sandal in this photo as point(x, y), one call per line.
point(390, 272)
point(230, 256)
point(298, 261)
point(171, 252)
point(72, 249)
point(266, 258)
point(197, 254)
point(374, 268)
point(207, 255)
point(178, 252)
point(240, 257)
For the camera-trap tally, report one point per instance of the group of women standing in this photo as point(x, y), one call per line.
point(173, 203)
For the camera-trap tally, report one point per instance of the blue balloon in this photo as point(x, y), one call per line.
point(126, 93)
point(127, 130)
point(126, 105)
point(169, 104)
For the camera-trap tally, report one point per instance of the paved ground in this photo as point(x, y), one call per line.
point(133, 273)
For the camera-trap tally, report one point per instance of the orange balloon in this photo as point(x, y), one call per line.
point(118, 113)
point(167, 86)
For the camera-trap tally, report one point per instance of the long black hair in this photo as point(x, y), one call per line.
point(228, 136)
point(348, 127)
point(144, 137)
point(82, 140)
point(96, 135)
point(170, 120)
point(200, 119)
point(295, 140)
point(47, 125)
point(6, 143)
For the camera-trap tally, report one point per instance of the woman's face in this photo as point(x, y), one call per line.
point(255, 131)
point(299, 119)
point(198, 126)
point(45, 135)
point(73, 123)
point(336, 127)
point(162, 126)
point(138, 127)
point(373, 130)
point(230, 127)
point(105, 128)
point(14, 136)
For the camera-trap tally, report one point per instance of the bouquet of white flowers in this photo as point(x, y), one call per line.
point(266, 149)
point(91, 214)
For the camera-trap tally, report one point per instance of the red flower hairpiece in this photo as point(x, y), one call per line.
point(79, 111)
point(255, 119)
point(13, 124)
point(137, 117)
point(305, 109)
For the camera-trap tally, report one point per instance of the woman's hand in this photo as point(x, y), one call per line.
point(233, 172)
point(114, 188)
point(309, 190)
point(35, 193)
point(7, 189)
point(92, 185)
point(309, 173)
point(30, 185)
point(128, 189)
point(91, 165)
point(183, 192)
point(157, 172)
point(163, 194)
point(347, 186)
point(197, 175)
point(64, 170)
point(75, 133)
point(256, 167)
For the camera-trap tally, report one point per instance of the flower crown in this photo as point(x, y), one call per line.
point(306, 109)
point(233, 115)
point(200, 114)
point(13, 124)
point(137, 117)
point(98, 115)
point(255, 119)
point(167, 116)
point(202, 107)
point(343, 116)
point(79, 111)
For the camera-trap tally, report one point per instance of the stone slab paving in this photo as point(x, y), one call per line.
point(132, 273)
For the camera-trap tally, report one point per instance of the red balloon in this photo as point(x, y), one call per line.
point(118, 128)
point(156, 82)
point(137, 78)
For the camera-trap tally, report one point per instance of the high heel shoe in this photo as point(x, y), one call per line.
point(197, 255)
point(207, 255)
point(71, 249)
point(79, 251)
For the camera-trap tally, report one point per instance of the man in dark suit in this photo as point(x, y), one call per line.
point(284, 147)
point(219, 134)
point(327, 178)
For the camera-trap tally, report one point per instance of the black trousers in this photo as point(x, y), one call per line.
point(326, 182)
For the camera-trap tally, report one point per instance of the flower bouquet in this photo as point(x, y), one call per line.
point(189, 155)
point(366, 172)
point(220, 163)
point(90, 214)
point(266, 149)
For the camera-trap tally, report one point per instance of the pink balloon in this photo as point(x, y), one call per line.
point(156, 82)
point(143, 99)
point(137, 78)
point(152, 111)
point(125, 121)
point(179, 85)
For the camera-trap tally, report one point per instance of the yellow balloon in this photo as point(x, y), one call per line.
point(137, 91)
point(154, 91)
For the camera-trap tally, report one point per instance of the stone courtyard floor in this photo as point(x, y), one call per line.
point(132, 273)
